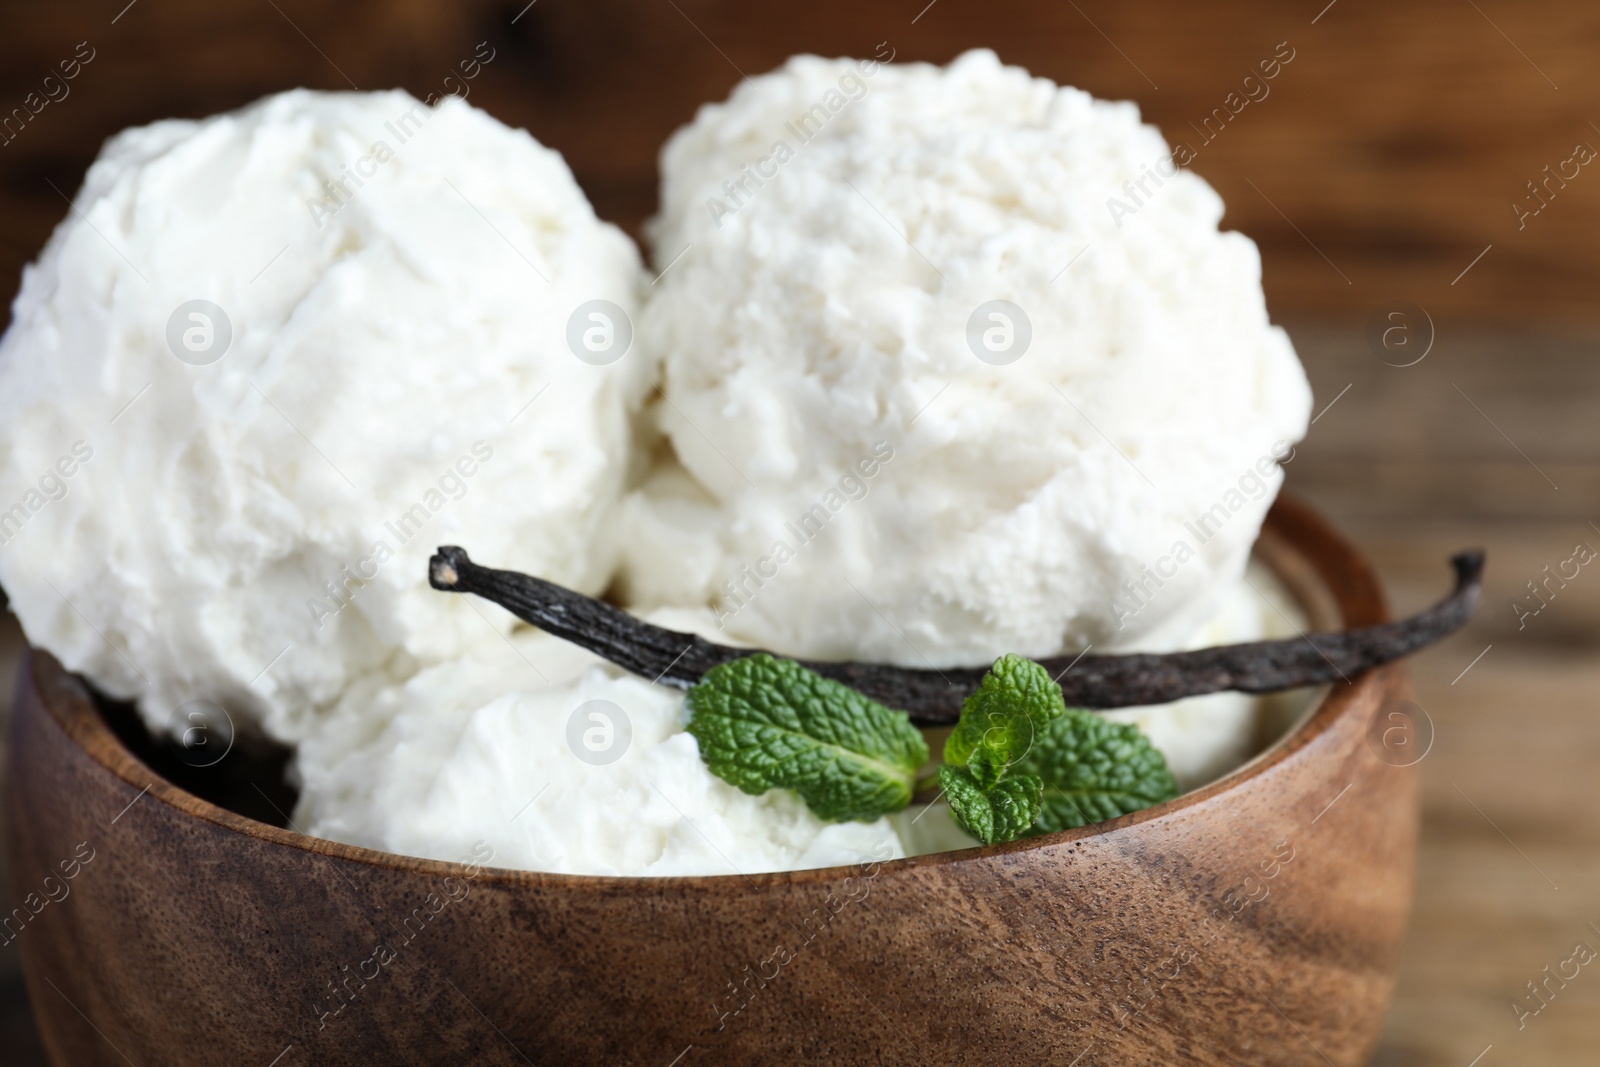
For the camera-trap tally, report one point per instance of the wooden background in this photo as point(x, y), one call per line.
point(1391, 150)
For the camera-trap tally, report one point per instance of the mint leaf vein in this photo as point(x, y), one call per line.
point(1094, 770)
point(766, 723)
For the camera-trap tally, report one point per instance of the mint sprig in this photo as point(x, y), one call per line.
point(766, 723)
point(1018, 762)
point(1012, 706)
point(1000, 722)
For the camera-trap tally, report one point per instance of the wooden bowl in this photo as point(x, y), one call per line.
point(1255, 921)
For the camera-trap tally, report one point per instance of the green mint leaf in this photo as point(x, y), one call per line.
point(1002, 813)
point(766, 723)
point(1094, 770)
point(1013, 705)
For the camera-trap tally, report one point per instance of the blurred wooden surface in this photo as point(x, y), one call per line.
point(1391, 149)
point(1509, 873)
point(1385, 159)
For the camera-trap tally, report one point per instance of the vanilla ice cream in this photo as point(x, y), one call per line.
point(929, 397)
point(269, 361)
point(562, 762)
point(558, 761)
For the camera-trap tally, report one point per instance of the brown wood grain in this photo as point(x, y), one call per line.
point(1386, 157)
point(1255, 921)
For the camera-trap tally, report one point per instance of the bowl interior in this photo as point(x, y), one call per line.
point(247, 791)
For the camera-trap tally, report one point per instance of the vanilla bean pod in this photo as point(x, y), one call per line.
point(933, 697)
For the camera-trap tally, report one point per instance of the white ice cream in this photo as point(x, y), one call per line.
point(505, 747)
point(485, 749)
point(252, 529)
point(856, 481)
point(849, 464)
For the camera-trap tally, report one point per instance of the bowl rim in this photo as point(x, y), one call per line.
point(1332, 561)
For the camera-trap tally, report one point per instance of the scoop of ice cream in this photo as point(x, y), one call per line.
point(558, 763)
point(269, 361)
point(956, 363)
